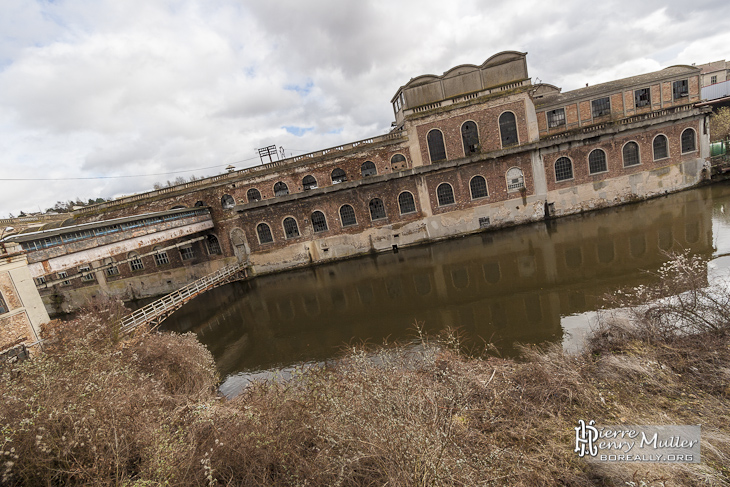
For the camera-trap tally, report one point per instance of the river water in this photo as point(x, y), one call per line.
point(529, 284)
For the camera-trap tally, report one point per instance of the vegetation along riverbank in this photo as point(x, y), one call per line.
point(94, 409)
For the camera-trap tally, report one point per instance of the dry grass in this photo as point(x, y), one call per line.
point(94, 411)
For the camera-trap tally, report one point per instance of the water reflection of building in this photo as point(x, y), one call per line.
point(514, 284)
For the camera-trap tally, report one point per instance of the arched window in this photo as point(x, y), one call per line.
point(661, 147)
point(319, 222)
point(135, 262)
point(347, 216)
point(470, 137)
point(508, 129)
point(436, 148)
point(478, 187)
point(291, 229)
point(214, 247)
point(515, 179)
point(368, 169)
point(160, 256)
point(281, 189)
point(338, 176)
point(227, 202)
point(253, 194)
point(111, 268)
point(688, 141)
point(445, 194)
point(264, 233)
point(406, 203)
point(631, 154)
point(597, 161)
point(377, 209)
point(398, 162)
point(309, 183)
point(199, 203)
point(563, 169)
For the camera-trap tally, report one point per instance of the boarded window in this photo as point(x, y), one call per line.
point(661, 149)
point(436, 148)
point(470, 138)
point(563, 169)
point(478, 187)
point(515, 179)
point(631, 154)
point(406, 203)
point(688, 141)
point(597, 161)
point(347, 216)
point(377, 209)
point(291, 229)
point(368, 169)
point(508, 129)
point(445, 194)
point(264, 233)
point(319, 222)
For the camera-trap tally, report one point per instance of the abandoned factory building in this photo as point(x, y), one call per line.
point(475, 148)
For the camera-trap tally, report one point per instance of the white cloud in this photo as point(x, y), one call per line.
point(107, 88)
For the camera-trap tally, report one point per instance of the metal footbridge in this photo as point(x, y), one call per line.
point(157, 311)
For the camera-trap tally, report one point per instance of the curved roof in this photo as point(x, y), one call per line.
point(501, 57)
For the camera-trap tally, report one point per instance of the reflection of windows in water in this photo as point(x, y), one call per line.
point(573, 257)
point(311, 305)
point(423, 284)
point(605, 251)
point(394, 288)
point(499, 315)
point(460, 278)
point(338, 299)
point(533, 308)
point(577, 301)
point(526, 266)
point(365, 291)
point(285, 309)
point(637, 245)
point(491, 272)
point(665, 238)
point(692, 232)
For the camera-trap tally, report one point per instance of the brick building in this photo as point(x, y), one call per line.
point(476, 148)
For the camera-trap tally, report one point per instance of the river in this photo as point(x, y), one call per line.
point(528, 284)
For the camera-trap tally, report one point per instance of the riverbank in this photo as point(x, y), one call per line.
point(95, 410)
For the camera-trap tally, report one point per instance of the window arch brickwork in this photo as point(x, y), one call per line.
point(631, 154)
point(347, 216)
point(368, 169)
point(319, 222)
point(338, 176)
point(252, 195)
point(445, 194)
point(281, 189)
point(406, 203)
point(597, 161)
point(661, 147)
point(478, 187)
point(436, 147)
point(377, 209)
point(508, 129)
point(264, 233)
point(309, 182)
point(291, 229)
point(563, 169)
point(689, 141)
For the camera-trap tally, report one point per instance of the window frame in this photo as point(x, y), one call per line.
point(431, 149)
point(473, 148)
point(665, 148)
point(392, 162)
point(342, 218)
point(521, 177)
point(187, 253)
point(287, 234)
point(569, 166)
point(315, 224)
point(282, 187)
point(412, 201)
point(471, 187)
point(638, 154)
point(341, 175)
point(501, 132)
point(440, 194)
point(600, 107)
point(161, 257)
point(372, 169)
point(553, 120)
point(680, 89)
point(135, 262)
point(382, 206)
point(591, 163)
point(639, 102)
point(309, 183)
point(253, 191)
point(261, 225)
point(227, 202)
point(213, 245)
point(694, 141)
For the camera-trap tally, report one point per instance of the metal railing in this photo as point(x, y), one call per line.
point(157, 311)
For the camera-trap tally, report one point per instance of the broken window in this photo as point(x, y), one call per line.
point(338, 176)
point(642, 98)
point(680, 89)
point(445, 194)
point(508, 129)
point(214, 247)
point(563, 169)
point(291, 229)
point(309, 183)
point(398, 162)
point(631, 154)
point(227, 202)
point(601, 107)
point(470, 137)
point(436, 148)
point(406, 203)
point(377, 209)
point(661, 149)
point(319, 222)
point(597, 161)
point(556, 118)
point(478, 187)
point(264, 233)
point(281, 189)
point(347, 216)
point(368, 169)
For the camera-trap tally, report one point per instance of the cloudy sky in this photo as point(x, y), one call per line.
point(100, 98)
